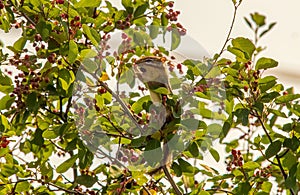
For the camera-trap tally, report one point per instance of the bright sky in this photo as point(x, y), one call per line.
point(208, 22)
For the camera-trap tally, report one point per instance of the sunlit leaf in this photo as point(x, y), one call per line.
point(63, 167)
point(265, 63)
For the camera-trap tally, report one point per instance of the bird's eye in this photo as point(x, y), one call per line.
point(148, 60)
point(143, 69)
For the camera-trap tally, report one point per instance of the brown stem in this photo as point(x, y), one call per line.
point(172, 182)
point(230, 30)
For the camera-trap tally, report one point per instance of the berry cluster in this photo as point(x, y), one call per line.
point(172, 15)
point(123, 24)
point(264, 172)
point(236, 161)
point(4, 142)
point(125, 46)
point(80, 190)
point(75, 22)
point(51, 58)
point(200, 88)
point(104, 46)
point(24, 83)
point(37, 44)
point(129, 156)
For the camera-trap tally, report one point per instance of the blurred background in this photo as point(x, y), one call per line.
point(208, 22)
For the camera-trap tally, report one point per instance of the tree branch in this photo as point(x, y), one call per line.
point(230, 30)
point(172, 182)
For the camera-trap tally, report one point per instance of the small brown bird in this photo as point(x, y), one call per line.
point(152, 72)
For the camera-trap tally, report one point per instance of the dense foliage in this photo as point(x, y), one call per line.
point(57, 93)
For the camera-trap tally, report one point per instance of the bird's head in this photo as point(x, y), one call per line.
point(150, 69)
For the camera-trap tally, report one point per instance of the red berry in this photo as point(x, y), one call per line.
point(179, 66)
point(233, 152)
point(76, 18)
point(134, 158)
point(1, 5)
point(285, 93)
point(171, 4)
point(60, 1)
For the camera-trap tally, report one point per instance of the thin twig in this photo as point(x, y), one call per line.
point(230, 30)
point(172, 182)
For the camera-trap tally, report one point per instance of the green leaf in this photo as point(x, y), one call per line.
point(277, 112)
point(139, 177)
point(248, 22)
point(202, 192)
point(185, 166)
point(163, 19)
point(190, 124)
point(258, 19)
point(37, 137)
point(265, 63)
point(127, 4)
point(161, 90)
point(140, 10)
point(250, 166)
point(267, 79)
point(50, 134)
point(266, 186)
point(32, 102)
point(176, 39)
point(87, 3)
point(22, 186)
point(225, 129)
point(286, 98)
point(215, 154)
point(242, 47)
point(267, 30)
point(6, 102)
point(177, 169)
point(73, 51)
point(154, 29)
point(87, 31)
point(44, 28)
point(243, 115)
point(273, 149)
point(66, 165)
point(154, 153)
point(5, 80)
point(137, 106)
point(292, 143)
point(20, 44)
point(193, 149)
point(86, 180)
